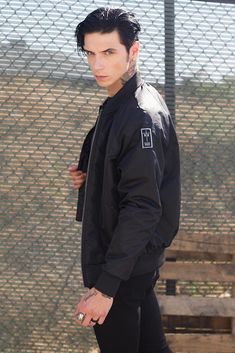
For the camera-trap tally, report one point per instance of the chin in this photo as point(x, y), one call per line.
point(103, 85)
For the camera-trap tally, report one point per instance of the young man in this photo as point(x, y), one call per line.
point(129, 191)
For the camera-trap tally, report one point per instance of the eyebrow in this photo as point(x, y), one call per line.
point(103, 51)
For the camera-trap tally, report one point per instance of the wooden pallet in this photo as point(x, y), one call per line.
point(217, 264)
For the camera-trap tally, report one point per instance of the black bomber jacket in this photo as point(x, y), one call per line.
point(130, 203)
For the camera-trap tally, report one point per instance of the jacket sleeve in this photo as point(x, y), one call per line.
point(82, 165)
point(141, 168)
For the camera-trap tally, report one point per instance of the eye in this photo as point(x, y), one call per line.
point(88, 53)
point(109, 52)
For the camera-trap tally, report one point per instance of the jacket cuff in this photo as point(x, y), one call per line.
point(107, 284)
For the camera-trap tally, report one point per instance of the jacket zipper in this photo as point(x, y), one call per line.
point(85, 196)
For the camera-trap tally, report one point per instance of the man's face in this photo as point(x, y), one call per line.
point(108, 59)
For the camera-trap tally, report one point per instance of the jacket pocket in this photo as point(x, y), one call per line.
point(152, 246)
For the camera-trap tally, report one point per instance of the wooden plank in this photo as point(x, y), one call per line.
point(196, 324)
point(198, 272)
point(204, 242)
point(201, 343)
point(196, 306)
point(233, 295)
point(194, 255)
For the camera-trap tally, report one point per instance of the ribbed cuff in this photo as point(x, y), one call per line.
point(108, 284)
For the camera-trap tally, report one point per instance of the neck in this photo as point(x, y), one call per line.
point(124, 78)
point(130, 72)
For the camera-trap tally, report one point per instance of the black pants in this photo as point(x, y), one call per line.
point(133, 324)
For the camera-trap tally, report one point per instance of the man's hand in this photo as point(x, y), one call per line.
point(77, 176)
point(94, 305)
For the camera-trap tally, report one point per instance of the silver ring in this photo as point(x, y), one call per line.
point(80, 316)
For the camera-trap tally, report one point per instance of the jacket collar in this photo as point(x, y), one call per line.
point(112, 103)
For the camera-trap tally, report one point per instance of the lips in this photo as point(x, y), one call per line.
point(100, 78)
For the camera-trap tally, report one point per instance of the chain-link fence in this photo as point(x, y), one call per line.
point(48, 103)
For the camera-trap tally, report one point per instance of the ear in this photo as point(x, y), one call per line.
point(134, 49)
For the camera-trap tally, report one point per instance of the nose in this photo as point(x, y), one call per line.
point(98, 64)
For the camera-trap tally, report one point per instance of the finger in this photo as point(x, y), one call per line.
point(78, 322)
point(77, 185)
point(80, 177)
point(87, 320)
point(94, 321)
point(75, 173)
point(73, 168)
point(75, 317)
point(76, 177)
point(77, 181)
point(101, 320)
point(91, 324)
point(77, 311)
point(79, 307)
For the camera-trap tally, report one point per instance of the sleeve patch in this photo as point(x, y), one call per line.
point(146, 138)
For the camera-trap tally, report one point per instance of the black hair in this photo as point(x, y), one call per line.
point(106, 20)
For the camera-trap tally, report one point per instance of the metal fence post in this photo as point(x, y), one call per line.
point(170, 84)
point(169, 13)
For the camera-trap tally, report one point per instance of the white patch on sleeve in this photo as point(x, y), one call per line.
point(146, 138)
